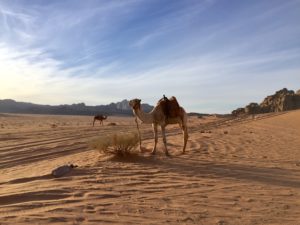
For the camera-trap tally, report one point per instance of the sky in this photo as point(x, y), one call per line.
point(213, 55)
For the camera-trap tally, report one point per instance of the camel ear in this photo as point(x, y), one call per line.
point(139, 100)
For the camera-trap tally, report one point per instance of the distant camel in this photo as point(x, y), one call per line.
point(167, 111)
point(100, 118)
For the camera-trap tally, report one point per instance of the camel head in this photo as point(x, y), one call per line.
point(135, 103)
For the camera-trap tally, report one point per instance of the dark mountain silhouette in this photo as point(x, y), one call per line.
point(119, 108)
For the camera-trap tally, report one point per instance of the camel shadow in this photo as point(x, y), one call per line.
point(199, 168)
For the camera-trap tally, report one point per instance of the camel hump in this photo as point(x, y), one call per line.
point(170, 106)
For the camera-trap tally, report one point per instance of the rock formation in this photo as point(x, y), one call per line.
point(252, 108)
point(238, 112)
point(282, 100)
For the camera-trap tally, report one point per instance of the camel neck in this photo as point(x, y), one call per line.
point(144, 117)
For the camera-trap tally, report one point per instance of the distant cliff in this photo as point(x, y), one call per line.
point(119, 108)
point(282, 100)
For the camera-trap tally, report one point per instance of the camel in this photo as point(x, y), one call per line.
point(100, 118)
point(159, 116)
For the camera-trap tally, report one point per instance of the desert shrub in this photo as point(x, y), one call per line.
point(117, 144)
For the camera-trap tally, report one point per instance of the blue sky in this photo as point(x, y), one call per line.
point(213, 55)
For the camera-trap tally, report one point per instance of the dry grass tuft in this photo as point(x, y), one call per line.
point(117, 144)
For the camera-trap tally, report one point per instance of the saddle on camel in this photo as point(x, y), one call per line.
point(170, 107)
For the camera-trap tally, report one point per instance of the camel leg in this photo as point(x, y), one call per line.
point(185, 137)
point(163, 131)
point(94, 122)
point(155, 138)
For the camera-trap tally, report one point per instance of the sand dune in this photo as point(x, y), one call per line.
point(235, 171)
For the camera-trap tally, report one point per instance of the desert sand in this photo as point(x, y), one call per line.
point(235, 171)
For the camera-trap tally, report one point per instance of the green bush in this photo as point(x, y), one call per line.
point(116, 144)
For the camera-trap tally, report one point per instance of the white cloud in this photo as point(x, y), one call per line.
point(201, 84)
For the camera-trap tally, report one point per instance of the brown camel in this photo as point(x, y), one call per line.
point(165, 112)
point(100, 118)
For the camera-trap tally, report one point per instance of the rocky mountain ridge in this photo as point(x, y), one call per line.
point(119, 108)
